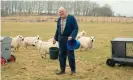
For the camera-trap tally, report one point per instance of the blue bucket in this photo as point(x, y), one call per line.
point(73, 44)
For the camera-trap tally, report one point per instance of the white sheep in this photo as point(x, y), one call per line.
point(81, 34)
point(29, 40)
point(86, 42)
point(43, 47)
point(16, 42)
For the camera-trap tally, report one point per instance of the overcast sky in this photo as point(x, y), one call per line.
point(124, 7)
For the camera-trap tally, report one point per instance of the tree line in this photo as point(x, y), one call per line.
point(79, 8)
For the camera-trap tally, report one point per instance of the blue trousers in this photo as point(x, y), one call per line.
point(64, 52)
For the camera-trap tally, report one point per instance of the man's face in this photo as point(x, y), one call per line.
point(62, 13)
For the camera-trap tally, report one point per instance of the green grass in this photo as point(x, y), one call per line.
point(91, 64)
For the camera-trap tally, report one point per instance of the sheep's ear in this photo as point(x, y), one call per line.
point(20, 36)
point(37, 35)
point(84, 31)
point(93, 38)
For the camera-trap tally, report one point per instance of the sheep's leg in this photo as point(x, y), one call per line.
point(45, 55)
point(39, 51)
point(17, 48)
point(86, 49)
point(13, 49)
point(90, 49)
point(25, 45)
point(41, 54)
point(81, 48)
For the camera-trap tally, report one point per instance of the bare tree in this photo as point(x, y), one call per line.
point(85, 8)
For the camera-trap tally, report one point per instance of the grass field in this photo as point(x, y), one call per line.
point(91, 64)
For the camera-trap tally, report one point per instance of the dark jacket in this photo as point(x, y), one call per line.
point(71, 28)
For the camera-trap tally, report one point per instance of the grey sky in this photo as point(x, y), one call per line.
point(124, 7)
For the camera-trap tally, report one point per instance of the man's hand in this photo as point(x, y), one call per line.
point(69, 38)
point(54, 41)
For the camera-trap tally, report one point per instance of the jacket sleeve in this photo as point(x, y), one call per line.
point(75, 28)
point(56, 33)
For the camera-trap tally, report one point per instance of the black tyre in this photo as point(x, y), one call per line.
point(110, 62)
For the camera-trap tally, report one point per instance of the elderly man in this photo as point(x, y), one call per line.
point(67, 29)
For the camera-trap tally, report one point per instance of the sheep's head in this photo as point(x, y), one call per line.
point(21, 38)
point(92, 38)
point(81, 34)
point(38, 37)
point(35, 43)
